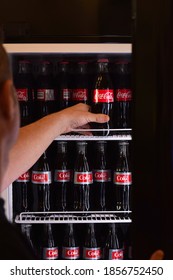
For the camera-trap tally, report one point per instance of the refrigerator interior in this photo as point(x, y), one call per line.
point(73, 53)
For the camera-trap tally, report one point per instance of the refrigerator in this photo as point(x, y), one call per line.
point(144, 36)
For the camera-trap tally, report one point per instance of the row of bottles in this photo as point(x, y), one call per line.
point(88, 184)
point(99, 242)
point(48, 93)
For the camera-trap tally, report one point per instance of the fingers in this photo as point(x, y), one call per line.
point(99, 118)
point(91, 117)
point(157, 255)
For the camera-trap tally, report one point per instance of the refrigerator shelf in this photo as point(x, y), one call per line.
point(74, 217)
point(119, 134)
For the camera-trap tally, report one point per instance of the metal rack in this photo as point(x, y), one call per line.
point(86, 134)
point(74, 217)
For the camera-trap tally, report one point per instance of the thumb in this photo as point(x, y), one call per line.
point(157, 255)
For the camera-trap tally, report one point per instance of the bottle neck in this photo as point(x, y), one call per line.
point(123, 150)
point(101, 147)
point(112, 228)
point(70, 229)
point(82, 148)
point(91, 229)
point(44, 155)
point(45, 69)
point(64, 68)
point(48, 229)
point(62, 147)
point(27, 230)
point(103, 67)
point(82, 68)
point(24, 68)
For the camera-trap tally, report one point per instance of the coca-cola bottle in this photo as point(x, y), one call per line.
point(64, 86)
point(102, 178)
point(113, 249)
point(23, 81)
point(80, 88)
point(61, 189)
point(21, 193)
point(41, 184)
point(123, 95)
point(45, 90)
point(91, 248)
point(70, 246)
point(122, 179)
point(103, 97)
point(49, 249)
point(83, 179)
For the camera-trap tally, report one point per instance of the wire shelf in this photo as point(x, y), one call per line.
point(86, 134)
point(74, 217)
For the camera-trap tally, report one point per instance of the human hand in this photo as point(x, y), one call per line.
point(78, 116)
point(157, 255)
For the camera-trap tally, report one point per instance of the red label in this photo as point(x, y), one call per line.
point(50, 253)
point(62, 176)
point(102, 175)
point(92, 253)
point(46, 94)
point(80, 94)
point(24, 177)
point(122, 178)
point(116, 254)
point(123, 94)
point(83, 178)
point(70, 253)
point(41, 177)
point(22, 94)
point(103, 96)
point(66, 94)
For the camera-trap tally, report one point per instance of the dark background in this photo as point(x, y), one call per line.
point(53, 20)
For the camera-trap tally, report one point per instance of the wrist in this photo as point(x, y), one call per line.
point(56, 123)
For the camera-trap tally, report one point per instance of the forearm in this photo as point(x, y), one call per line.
point(32, 141)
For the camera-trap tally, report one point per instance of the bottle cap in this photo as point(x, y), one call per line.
point(64, 62)
point(103, 60)
point(82, 62)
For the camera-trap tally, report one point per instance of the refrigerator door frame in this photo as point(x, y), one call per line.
point(59, 48)
point(115, 48)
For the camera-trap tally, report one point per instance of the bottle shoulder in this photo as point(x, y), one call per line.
point(103, 81)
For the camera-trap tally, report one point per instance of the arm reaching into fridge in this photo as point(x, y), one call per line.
point(34, 139)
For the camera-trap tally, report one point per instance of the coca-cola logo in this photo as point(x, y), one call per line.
point(123, 95)
point(41, 178)
point(51, 253)
point(122, 178)
point(83, 177)
point(22, 94)
point(71, 253)
point(102, 175)
point(92, 253)
point(103, 95)
point(24, 177)
point(62, 176)
point(80, 94)
point(117, 255)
